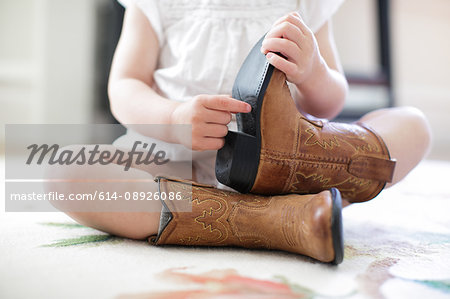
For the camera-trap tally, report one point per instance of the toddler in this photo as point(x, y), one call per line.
point(176, 62)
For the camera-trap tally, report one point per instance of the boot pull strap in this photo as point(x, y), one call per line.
point(367, 167)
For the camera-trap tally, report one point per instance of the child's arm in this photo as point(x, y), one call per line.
point(312, 64)
point(133, 101)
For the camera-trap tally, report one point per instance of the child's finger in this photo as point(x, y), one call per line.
point(287, 31)
point(282, 64)
point(295, 19)
point(215, 130)
point(298, 21)
point(286, 47)
point(225, 103)
point(292, 17)
point(217, 116)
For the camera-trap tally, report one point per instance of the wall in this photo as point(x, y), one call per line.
point(420, 56)
point(47, 61)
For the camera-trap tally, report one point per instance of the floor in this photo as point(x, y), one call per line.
point(396, 246)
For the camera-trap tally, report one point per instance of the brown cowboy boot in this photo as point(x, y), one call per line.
point(305, 224)
point(278, 150)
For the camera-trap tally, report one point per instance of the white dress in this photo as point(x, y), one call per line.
point(202, 46)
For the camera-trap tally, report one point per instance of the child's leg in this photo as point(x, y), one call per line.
point(407, 134)
point(135, 225)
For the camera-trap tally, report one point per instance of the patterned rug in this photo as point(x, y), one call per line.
point(396, 246)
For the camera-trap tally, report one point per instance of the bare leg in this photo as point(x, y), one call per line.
point(407, 134)
point(135, 225)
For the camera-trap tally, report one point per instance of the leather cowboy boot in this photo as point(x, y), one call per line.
point(205, 216)
point(278, 150)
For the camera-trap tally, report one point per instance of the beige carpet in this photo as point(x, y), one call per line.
point(396, 246)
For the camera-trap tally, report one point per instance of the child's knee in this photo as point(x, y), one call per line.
point(418, 123)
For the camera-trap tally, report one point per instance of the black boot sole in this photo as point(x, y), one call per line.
point(336, 226)
point(237, 162)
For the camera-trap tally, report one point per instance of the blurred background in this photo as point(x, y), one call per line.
point(55, 57)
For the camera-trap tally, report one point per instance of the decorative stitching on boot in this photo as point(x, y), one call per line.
point(262, 78)
point(208, 222)
point(359, 185)
point(329, 144)
point(286, 218)
point(303, 163)
point(292, 165)
point(284, 155)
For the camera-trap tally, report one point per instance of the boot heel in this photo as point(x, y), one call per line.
point(336, 226)
point(237, 161)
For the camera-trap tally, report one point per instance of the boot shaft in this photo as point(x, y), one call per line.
point(310, 156)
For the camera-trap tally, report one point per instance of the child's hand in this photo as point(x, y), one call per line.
point(209, 116)
point(294, 40)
